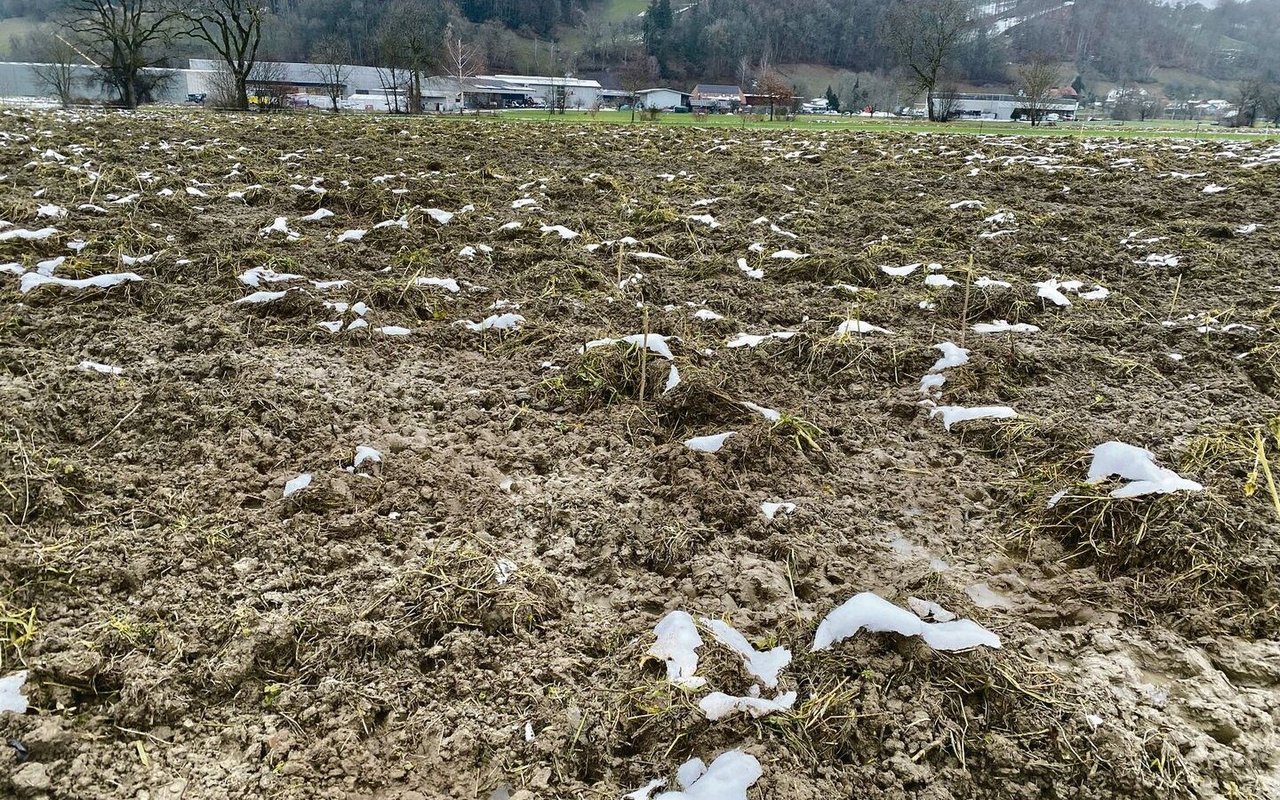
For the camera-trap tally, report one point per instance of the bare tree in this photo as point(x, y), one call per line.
point(233, 28)
point(1035, 79)
point(56, 61)
point(410, 42)
point(393, 87)
point(744, 72)
point(464, 61)
point(124, 38)
point(947, 99)
point(328, 63)
point(776, 89)
point(923, 35)
point(635, 76)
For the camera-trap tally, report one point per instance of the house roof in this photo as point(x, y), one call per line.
point(717, 89)
point(660, 89)
point(545, 80)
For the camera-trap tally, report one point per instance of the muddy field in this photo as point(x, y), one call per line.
point(460, 600)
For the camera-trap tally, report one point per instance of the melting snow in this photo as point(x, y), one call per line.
point(754, 340)
point(105, 369)
point(953, 414)
point(728, 778)
point(281, 225)
point(770, 510)
point(23, 233)
point(1138, 466)
point(874, 613)
point(850, 326)
point(262, 297)
point(654, 342)
point(256, 276)
point(353, 235)
point(1004, 326)
point(366, 453)
point(31, 280)
point(768, 413)
point(719, 704)
point(677, 644)
point(294, 485)
point(501, 322)
point(764, 666)
point(448, 284)
point(561, 230)
point(708, 444)
point(900, 272)
point(11, 696)
point(751, 273)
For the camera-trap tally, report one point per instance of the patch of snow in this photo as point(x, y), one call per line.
point(366, 453)
point(656, 343)
point(677, 643)
point(770, 510)
point(754, 340)
point(954, 414)
point(26, 235)
point(258, 275)
point(105, 369)
point(952, 356)
point(1004, 326)
point(900, 272)
point(728, 778)
point(11, 696)
point(764, 666)
point(353, 235)
point(869, 611)
point(718, 704)
point(673, 379)
point(448, 284)
point(708, 444)
point(851, 326)
point(295, 485)
point(31, 280)
point(1137, 466)
point(262, 297)
point(560, 230)
point(501, 322)
point(768, 413)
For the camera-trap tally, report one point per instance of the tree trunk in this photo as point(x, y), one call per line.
point(933, 117)
point(129, 92)
point(242, 92)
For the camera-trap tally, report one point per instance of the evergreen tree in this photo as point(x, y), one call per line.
point(1078, 85)
point(833, 100)
point(657, 23)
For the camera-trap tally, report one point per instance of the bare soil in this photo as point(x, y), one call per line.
point(191, 633)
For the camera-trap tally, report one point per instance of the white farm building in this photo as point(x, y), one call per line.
point(1001, 107)
point(662, 99)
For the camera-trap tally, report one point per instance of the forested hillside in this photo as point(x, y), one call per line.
point(728, 40)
